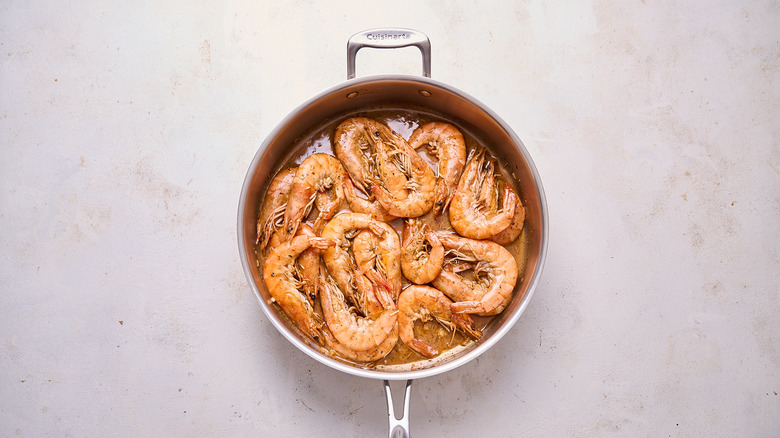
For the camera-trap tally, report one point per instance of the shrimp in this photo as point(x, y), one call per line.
point(279, 275)
point(512, 232)
point(419, 265)
point(379, 257)
point(306, 268)
point(369, 355)
point(456, 287)
point(319, 179)
point(468, 216)
point(487, 197)
point(352, 145)
point(493, 262)
point(358, 334)
point(309, 265)
point(339, 263)
point(446, 142)
point(425, 303)
point(406, 184)
point(271, 215)
point(382, 164)
point(362, 205)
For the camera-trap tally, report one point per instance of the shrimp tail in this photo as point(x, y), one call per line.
point(463, 307)
point(465, 324)
point(422, 348)
point(382, 288)
point(378, 279)
point(321, 243)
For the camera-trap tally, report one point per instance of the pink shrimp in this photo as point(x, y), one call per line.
point(446, 142)
point(492, 260)
point(424, 303)
point(279, 276)
point(271, 216)
point(420, 265)
point(318, 179)
point(406, 184)
point(349, 279)
point(354, 333)
point(470, 212)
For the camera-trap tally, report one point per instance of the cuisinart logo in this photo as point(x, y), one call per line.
point(388, 36)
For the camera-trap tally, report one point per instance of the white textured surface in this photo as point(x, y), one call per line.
point(126, 129)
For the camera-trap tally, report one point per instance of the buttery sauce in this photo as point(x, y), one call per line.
point(404, 121)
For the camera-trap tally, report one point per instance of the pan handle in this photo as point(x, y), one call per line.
point(399, 427)
point(388, 38)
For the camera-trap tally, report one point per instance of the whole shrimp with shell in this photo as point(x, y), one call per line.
point(353, 146)
point(354, 332)
point(383, 166)
point(446, 142)
point(422, 254)
point(284, 286)
point(423, 303)
point(492, 262)
point(271, 215)
point(470, 211)
point(406, 183)
point(318, 180)
point(378, 256)
point(342, 267)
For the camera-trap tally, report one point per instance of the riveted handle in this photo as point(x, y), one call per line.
point(388, 38)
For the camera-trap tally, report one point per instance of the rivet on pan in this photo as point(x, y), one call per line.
point(425, 93)
point(352, 95)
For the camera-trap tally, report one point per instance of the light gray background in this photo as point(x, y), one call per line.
point(126, 129)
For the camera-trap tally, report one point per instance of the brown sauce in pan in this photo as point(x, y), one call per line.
point(404, 121)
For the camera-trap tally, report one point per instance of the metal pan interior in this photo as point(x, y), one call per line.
point(398, 91)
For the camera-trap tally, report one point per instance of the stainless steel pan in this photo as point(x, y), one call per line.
point(394, 90)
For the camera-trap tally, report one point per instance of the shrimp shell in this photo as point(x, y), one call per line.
point(369, 355)
point(279, 278)
point(271, 216)
point(493, 259)
point(317, 180)
point(309, 263)
point(418, 265)
point(468, 216)
point(512, 232)
point(425, 303)
point(339, 263)
point(362, 205)
point(359, 334)
point(446, 142)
